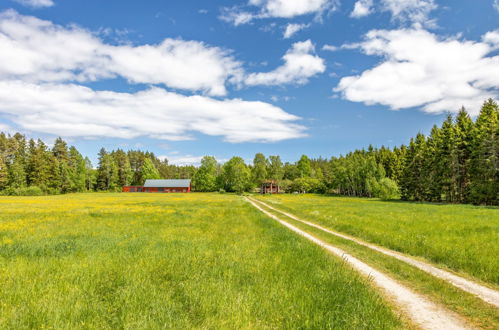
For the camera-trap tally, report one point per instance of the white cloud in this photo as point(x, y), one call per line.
point(31, 51)
point(300, 64)
point(76, 111)
point(448, 74)
point(362, 8)
point(496, 4)
point(292, 29)
point(278, 8)
point(329, 48)
point(186, 160)
point(36, 3)
point(182, 160)
point(414, 11)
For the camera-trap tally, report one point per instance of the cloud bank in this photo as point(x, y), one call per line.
point(42, 67)
point(77, 111)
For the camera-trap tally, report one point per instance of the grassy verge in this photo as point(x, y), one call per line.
point(170, 261)
point(477, 312)
point(463, 238)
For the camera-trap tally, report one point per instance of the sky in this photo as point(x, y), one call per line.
point(185, 79)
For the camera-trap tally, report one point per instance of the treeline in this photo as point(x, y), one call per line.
point(456, 163)
point(29, 167)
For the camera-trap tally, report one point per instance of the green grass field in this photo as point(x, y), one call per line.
point(463, 238)
point(175, 261)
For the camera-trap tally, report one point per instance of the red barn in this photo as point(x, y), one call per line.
point(161, 186)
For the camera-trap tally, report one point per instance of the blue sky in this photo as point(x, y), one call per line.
point(189, 78)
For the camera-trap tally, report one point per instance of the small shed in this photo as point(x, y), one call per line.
point(161, 186)
point(270, 187)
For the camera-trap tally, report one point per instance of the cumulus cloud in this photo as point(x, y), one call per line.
point(362, 8)
point(277, 8)
point(300, 64)
point(76, 111)
point(414, 12)
point(420, 69)
point(31, 51)
point(292, 29)
point(36, 3)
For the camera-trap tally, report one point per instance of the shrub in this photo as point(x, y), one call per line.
point(25, 191)
point(387, 189)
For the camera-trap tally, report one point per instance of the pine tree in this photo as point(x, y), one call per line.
point(484, 187)
point(104, 171)
point(149, 171)
point(461, 154)
point(38, 166)
point(124, 168)
point(443, 155)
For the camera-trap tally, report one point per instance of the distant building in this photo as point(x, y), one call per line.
point(161, 186)
point(270, 187)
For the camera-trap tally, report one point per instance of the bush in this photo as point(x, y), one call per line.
point(388, 189)
point(24, 191)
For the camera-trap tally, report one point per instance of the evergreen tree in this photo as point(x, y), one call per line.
point(149, 171)
point(484, 187)
point(38, 166)
point(461, 154)
point(104, 171)
point(124, 168)
point(443, 156)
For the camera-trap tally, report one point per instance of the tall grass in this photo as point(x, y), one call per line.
point(464, 238)
point(170, 261)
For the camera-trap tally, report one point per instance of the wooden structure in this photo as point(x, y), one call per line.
point(270, 187)
point(161, 186)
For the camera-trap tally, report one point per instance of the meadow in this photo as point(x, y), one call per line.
point(170, 261)
point(463, 238)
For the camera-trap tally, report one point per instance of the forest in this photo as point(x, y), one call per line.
point(456, 163)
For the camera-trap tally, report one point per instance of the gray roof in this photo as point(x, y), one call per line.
point(167, 183)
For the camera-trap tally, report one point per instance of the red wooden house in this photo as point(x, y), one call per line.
point(161, 186)
point(270, 187)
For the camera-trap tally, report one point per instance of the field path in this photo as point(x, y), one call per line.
point(420, 310)
point(488, 295)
